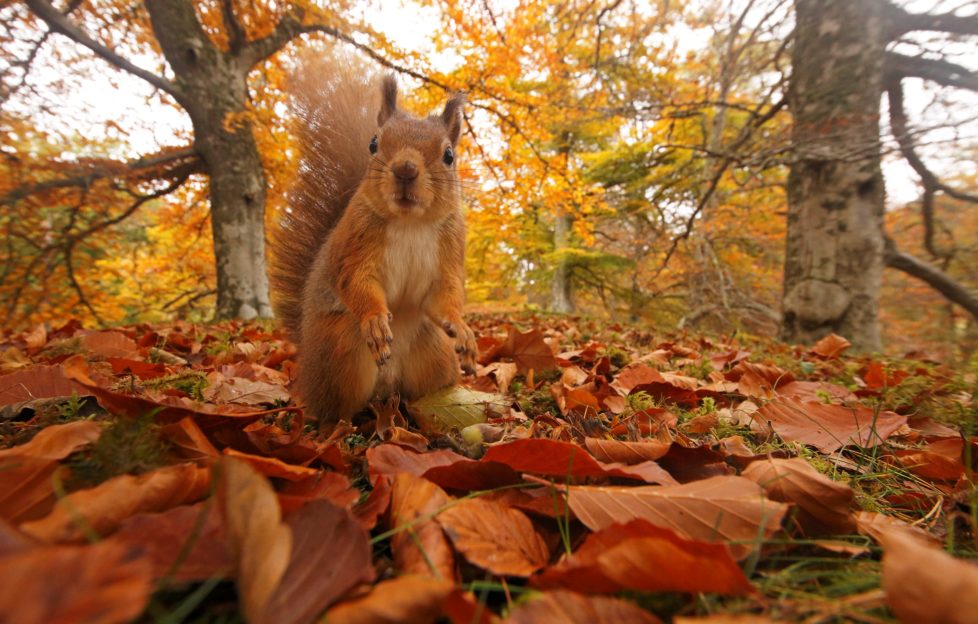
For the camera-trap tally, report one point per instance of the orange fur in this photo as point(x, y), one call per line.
point(372, 286)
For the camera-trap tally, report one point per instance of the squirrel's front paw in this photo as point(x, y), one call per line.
point(465, 344)
point(377, 330)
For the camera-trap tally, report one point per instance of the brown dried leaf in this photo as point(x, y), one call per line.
point(528, 350)
point(271, 467)
point(831, 346)
point(611, 450)
point(110, 344)
point(163, 536)
point(330, 556)
point(261, 545)
point(641, 556)
point(37, 382)
point(925, 584)
point(409, 598)
point(824, 504)
point(827, 427)
point(564, 607)
point(495, 537)
point(715, 509)
point(107, 505)
point(419, 547)
point(101, 583)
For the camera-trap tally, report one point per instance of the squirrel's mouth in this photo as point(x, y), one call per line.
point(405, 200)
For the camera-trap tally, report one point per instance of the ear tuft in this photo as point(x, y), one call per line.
point(388, 99)
point(452, 116)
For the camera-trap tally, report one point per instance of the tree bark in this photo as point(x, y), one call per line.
point(214, 85)
point(834, 254)
point(562, 297)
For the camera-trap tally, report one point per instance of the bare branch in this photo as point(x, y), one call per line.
point(932, 276)
point(932, 185)
point(901, 22)
point(59, 23)
point(942, 72)
point(109, 170)
point(236, 35)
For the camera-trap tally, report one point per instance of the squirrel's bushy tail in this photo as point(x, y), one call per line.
point(334, 105)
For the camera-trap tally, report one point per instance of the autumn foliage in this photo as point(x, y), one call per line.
point(153, 468)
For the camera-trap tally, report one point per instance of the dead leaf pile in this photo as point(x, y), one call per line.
point(578, 463)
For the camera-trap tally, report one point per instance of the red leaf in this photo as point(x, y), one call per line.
point(643, 557)
point(827, 427)
point(37, 382)
point(103, 583)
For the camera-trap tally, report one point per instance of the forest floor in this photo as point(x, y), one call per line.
point(587, 473)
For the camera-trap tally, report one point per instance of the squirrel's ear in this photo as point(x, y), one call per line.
point(452, 116)
point(388, 99)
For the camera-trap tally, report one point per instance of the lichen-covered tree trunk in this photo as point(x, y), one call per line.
point(561, 288)
point(834, 255)
point(214, 87)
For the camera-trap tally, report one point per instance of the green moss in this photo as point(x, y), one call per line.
point(126, 446)
point(191, 383)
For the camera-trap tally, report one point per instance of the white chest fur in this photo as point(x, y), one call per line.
point(410, 263)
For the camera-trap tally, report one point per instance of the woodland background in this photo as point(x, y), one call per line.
point(637, 161)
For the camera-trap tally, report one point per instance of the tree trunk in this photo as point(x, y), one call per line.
point(214, 88)
point(562, 299)
point(834, 255)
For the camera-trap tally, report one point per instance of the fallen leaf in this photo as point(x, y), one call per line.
point(110, 344)
point(731, 509)
point(183, 544)
point(925, 584)
point(612, 450)
point(827, 427)
point(528, 351)
point(940, 459)
point(824, 504)
point(564, 607)
point(497, 538)
point(455, 408)
point(55, 441)
point(643, 557)
point(189, 442)
point(37, 382)
point(261, 545)
point(409, 598)
point(830, 347)
point(419, 545)
point(271, 467)
point(104, 507)
point(104, 583)
point(330, 556)
point(331, 486)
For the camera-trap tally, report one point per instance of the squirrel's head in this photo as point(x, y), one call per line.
point(413, 162)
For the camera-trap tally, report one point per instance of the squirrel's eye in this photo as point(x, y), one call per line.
point(449, 156)
point(373, 145)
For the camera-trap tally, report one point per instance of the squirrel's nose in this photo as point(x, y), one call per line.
point(406, 171)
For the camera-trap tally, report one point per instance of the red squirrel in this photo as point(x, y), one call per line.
point(368, 264)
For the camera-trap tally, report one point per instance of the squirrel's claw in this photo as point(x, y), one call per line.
point(465, 345)
point(377, 330)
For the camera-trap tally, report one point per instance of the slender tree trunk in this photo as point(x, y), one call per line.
point(562, 299)
point(834, 255)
